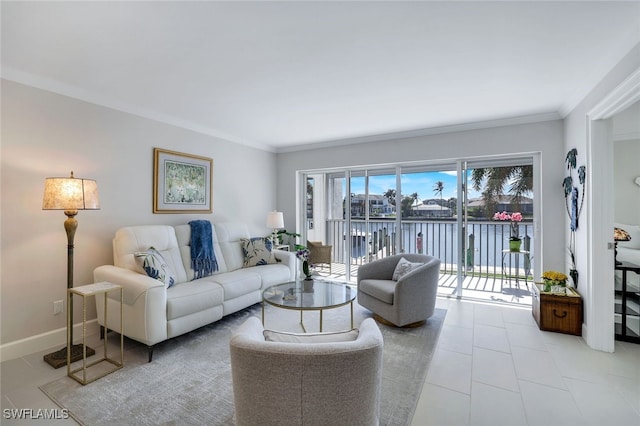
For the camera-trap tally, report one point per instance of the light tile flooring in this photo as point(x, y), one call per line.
point(491, 366)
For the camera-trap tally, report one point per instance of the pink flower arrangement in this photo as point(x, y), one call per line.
point(514, 218)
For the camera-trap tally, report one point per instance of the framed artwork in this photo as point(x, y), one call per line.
point(182, 183)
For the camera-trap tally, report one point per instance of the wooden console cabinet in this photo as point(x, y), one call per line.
point(560, 313)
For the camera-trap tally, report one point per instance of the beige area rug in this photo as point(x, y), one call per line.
point(189, 380)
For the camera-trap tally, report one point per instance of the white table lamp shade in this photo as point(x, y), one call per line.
point(275, 220)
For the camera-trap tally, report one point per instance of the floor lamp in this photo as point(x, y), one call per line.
point(69, 194)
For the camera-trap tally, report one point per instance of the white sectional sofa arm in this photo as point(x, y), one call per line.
point(133, 284)
point(288, 259)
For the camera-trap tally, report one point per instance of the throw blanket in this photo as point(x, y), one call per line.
point(203, 258)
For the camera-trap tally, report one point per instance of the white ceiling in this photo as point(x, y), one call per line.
point(279, 75)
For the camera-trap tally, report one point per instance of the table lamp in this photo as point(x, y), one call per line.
point(69, 194)
point(275, 221)
point(619, 235)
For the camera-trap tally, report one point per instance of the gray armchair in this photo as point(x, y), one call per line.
point(408, 301)
point(333, 383)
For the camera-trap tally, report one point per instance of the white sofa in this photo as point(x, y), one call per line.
point(153, 313)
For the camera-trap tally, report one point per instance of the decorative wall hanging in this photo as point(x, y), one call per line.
point(574, 200)
point(182, 183)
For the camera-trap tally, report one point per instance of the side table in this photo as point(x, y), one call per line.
point(97, 289)
point(557, 312)
point(526, 256)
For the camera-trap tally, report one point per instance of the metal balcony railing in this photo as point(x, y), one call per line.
point(486, 253)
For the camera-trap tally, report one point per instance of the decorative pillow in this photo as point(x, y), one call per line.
point(403, 268)
point(257, 251)
point(282, 337)
point(155, 266)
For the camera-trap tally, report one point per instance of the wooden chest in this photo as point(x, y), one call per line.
point(554, 312)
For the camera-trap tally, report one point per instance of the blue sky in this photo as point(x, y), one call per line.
point(422, 183)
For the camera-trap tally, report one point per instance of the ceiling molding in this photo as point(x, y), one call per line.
point(463, 127)
point(607, 61)
point(71, 91)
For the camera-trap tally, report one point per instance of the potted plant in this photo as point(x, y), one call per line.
point(554, 282)
point(303, 254)
point(514, 234)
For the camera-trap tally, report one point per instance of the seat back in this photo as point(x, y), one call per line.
point(306, 383)
point(132, 239)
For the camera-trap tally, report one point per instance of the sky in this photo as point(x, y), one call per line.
point(422, 183)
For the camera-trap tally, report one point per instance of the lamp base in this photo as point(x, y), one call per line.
point(58, 359)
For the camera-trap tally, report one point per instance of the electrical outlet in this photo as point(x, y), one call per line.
point(58, 307)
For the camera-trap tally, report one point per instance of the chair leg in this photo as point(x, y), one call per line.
point(102, 332)
point(150, 349)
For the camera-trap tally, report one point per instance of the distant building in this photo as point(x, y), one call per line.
point(378, 205)
point(504, 204)
point(431, 210)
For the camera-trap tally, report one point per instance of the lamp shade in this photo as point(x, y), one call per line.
point(70, 194)
point(621, 235)
point(275, 220)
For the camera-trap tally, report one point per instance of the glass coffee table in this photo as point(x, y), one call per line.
point(295, 296)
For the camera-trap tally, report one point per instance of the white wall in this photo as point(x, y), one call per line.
point(597, 295)
point(543, 137)
point(626, 156)
point(44, 135)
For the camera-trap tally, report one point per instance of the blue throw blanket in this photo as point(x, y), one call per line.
point(203, 258)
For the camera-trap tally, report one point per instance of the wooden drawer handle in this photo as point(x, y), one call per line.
point(555, 314)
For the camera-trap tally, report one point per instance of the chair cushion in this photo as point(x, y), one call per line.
point(382, 290)
point(404, 267)
point(330, 337)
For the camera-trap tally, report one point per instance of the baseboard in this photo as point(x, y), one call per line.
point(54, 339)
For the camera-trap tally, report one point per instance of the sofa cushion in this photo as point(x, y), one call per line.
point(154, 265)
point(132, 239)
point(404, 267)
point(183, 236)
point(257, 252)
point(229, 236)
point(237, 283)
point(382, 290)
point(273, 274)
point(193, 296)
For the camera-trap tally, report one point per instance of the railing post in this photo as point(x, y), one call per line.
point(471, 251)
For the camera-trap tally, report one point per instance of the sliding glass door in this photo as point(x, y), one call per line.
point(445, 210)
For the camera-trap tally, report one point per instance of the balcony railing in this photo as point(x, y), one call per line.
point(486, 253)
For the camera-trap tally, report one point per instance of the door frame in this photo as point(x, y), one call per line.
point(599, 322)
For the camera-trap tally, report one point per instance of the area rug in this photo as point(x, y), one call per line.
point(189, 380)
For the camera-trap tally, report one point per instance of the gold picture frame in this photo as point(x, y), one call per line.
point(182, 183)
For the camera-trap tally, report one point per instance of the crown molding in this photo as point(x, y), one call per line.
point(74, 92)
point(463, 127)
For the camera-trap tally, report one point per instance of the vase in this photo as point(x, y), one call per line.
point(307, 285)
point(514, 245)
point(573, 273)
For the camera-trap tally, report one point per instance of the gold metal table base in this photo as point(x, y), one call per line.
point(85, 291)
point(310, 309)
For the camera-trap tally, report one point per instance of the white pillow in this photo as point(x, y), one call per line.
point(340, 336)
point(634, 232)
point(403, 268)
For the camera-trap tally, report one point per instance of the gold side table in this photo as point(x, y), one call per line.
point(97, 289)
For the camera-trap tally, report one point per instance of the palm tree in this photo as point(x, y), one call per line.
point(438, 187)
point(493, 180)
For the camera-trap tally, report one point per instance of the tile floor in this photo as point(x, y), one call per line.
point(492, 366)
